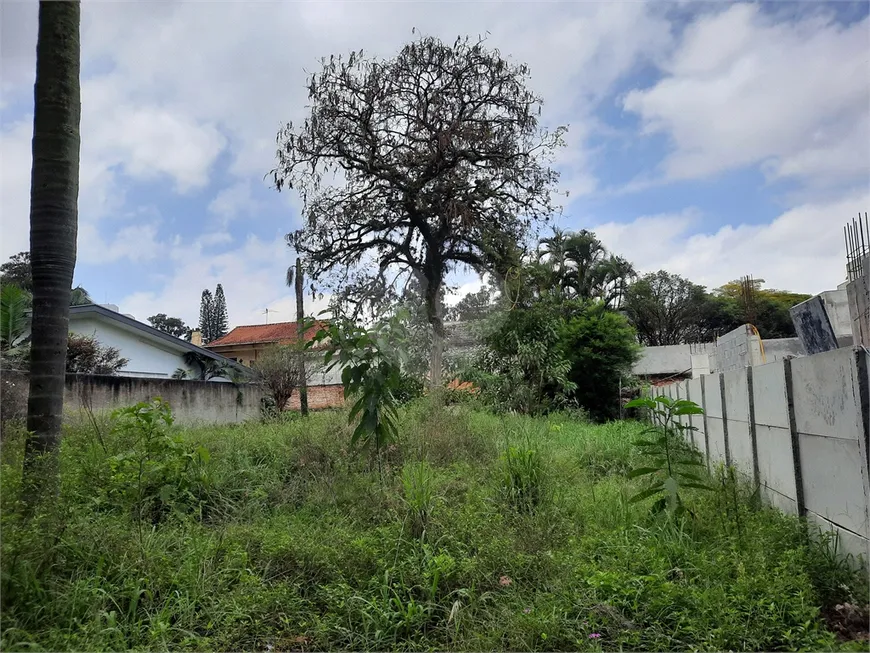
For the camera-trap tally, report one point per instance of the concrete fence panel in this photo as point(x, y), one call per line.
point(832, 431)
point(716, 435)
point(694, 386)
point(737, 408)
point(776, 472)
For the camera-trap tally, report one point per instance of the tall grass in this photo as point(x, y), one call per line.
point(284, 541)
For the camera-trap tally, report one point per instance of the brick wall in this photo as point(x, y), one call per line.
point(320, 396)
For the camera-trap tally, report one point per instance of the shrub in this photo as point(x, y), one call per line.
point(85, 355)
point(158, 473)
point(281, 369)
point(601, 347)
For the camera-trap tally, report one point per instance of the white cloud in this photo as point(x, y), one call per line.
point(234, 201)
point(251, 274)
point(743, 90)
point(801, 250)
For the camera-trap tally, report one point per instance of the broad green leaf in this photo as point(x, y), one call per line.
point(641, 402)
point(642, 471)
point(640, 496)
point(691, 409)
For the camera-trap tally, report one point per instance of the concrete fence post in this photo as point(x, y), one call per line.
point(691, 421)
point(724, 420)
point(756, 476)
point(704, 416)
point(795, 440)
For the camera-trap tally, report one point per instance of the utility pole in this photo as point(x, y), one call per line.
point(300, 334)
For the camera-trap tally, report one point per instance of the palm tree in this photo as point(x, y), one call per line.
point(14, 304)
point(295, 280)
point(54, 190)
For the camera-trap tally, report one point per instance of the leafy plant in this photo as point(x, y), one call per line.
point(157, 473)
point(14, 303)
point(371, 372)
point(670, 456)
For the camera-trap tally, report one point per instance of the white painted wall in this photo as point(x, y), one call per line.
point(148, 357)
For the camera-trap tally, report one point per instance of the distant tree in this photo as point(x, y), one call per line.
point(765, 308)
point(80, 297)
point(85, 355)
point(206, 316)
point(441, 158)
point(17, 271)
point(281, 370)
point(667, 309)
point(220, 318)
point(601, 347)
point(54, 190)
point(576, 265)
point(174, 326)
point(473, 306)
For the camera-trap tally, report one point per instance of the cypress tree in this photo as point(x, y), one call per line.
point(206, 311)
point(220, 318)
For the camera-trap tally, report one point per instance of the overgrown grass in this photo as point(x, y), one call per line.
point(279, 539)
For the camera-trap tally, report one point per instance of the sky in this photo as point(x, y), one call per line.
point(710, 139)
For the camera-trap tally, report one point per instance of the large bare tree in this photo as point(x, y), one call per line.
point(54, 190)
point(413, 165)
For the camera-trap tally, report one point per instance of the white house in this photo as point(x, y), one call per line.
point(151, 353)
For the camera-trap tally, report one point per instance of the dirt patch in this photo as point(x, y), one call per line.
point(849, 621)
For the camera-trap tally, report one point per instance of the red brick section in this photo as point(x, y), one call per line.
point(283, 332)
point(320, 396)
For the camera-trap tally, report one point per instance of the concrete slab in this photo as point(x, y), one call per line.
point(768, 389)
point(740, 444)
point(780, 501)
point(712, 398)
point(737, 395)
point(825, 400)
point(716, 438)
point(775, 461)
point(813, 327)
point(833, 481)
point(849, 543)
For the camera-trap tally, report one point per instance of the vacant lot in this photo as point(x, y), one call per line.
point(476, 532)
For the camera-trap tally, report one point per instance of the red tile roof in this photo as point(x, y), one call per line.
point(281, 332)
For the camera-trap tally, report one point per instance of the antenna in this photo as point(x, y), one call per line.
point(267, 311)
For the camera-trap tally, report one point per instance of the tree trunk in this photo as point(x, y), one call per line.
point(300, 320)
point(436, 319)
point(54, 190)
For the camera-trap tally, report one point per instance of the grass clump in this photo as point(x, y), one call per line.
point(479, 532)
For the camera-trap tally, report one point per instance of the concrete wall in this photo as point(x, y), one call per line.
point(738, 349)
point(836, 304)
point(858, 296)
point(799, 429)
point(674, 359)
point(192, 402)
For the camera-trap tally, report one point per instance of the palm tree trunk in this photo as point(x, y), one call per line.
point(300, 320)
point(54, 190)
